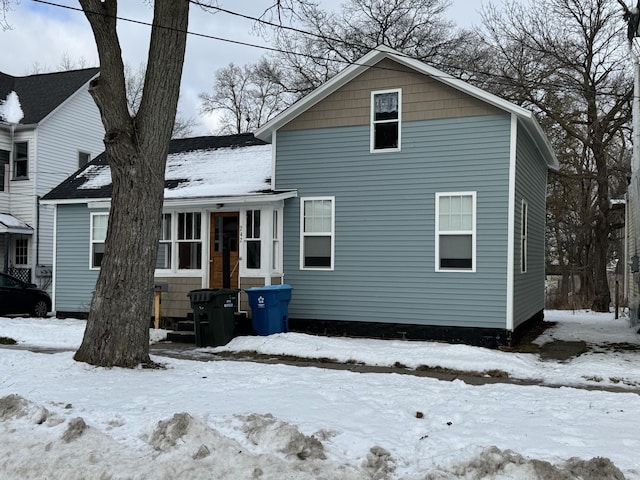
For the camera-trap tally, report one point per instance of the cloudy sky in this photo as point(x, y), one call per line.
point(42, 35)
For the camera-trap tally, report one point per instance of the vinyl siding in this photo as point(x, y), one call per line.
point(75, 126)
point(531, 186)
point(385, 222)
point(423, 98)
point(74, 282)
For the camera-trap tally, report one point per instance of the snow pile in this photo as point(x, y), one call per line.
point(227, 420)
point(10, 109)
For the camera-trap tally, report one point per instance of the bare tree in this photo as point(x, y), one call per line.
point(332, 41)
point(245, 97)
point(134, 85)
point(570, 66)
point(117, 332)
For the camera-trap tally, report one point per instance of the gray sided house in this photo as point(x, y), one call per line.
point(222, 224)
point(59, 130)
point(420, 208)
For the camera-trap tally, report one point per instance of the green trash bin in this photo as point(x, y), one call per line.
point(213, 315)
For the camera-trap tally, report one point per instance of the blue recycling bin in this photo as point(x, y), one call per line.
point(269, 308)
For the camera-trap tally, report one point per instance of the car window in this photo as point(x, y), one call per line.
point(8, 282)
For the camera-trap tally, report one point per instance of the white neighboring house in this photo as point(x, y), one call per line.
point(58, 131)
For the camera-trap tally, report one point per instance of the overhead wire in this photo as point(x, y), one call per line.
point(498, 80)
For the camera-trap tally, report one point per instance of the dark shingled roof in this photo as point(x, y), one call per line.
point(40, 94)
point(69, 189)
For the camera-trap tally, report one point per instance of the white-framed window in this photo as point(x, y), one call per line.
point(317, 239)
point(524, 231)
point(165, 247)
point(252, 239)
point(189, 241)
point(83, 159)
point(386, 117)
point(21, 252)
point(275, 253)
point(98, 235)
point(456, 231)
point(20, 160)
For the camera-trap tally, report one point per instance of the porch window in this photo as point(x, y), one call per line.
point(455, 231)
point(317, 233)
point(386, 108)
point(98, 229)
point(275, 256)
point(253, 239)
point(164, 248)
point(20, 160)
point(524, 227)
point(4, 161)
point(21, 252)
point(189, 241)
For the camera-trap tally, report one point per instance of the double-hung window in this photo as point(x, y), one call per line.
point(4, 161)
point(524, 227)
point(163, 260)
point(456, 231)
point(98, 235)
point(317, 233)
point(20, 160)
point(386, 111)
point(253, 239)
point(275, 255)
point(189, 241)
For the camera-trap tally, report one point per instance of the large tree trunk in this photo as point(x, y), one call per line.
point(117, 332)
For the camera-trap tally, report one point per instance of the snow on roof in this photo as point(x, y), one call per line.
point(204, 173)
point(10, 109)
point(9, 223)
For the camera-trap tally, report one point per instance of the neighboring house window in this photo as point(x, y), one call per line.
point(317, 232)
point(21, 249)
point(20, 160)
point(386, 109)
point(253, 239)
point(524, 227)
point(275, 256)
point(189, 241)
point(455, 231)
point(4, 161)
point(83, 159)
point(98, 236)
point(164, 248)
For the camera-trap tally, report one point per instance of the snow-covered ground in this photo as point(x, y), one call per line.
point(222, 419)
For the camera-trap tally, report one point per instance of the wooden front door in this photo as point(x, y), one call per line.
point(223, 254)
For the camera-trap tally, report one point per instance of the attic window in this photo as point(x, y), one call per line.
point(386, 109)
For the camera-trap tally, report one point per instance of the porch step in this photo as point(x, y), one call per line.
point(178, 336)
point(185, 330)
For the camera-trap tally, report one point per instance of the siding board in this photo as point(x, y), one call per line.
point(385, 215)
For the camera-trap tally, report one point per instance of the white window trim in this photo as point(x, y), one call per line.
point(454, 232)
point(91, 240)
point(323, 234)
point(174, 271)
point(14, 153)
point(524, 234)
point(15, 252)
point(372, 121)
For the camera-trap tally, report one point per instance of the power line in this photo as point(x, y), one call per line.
point(498, 80)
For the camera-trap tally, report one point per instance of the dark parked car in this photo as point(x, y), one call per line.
point(17, 296)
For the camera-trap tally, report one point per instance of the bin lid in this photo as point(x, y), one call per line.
point(205, 294)
point(267, 288)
